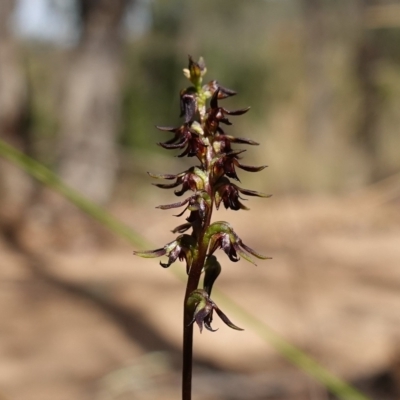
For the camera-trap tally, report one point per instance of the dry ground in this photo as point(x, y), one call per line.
point(99, 324)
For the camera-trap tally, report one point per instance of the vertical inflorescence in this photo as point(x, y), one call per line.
point(209, 183)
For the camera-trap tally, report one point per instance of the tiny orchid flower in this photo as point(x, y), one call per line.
point(228, 193)
point(181, 248)
point(203, 307)
point(222, 236)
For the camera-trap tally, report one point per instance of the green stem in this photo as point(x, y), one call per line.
point(187, 358)
point(192, 284)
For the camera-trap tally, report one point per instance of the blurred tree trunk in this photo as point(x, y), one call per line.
point(15, 185)
point(91, 102)
point(367, 55)
point(319, 87)
point(89, 120)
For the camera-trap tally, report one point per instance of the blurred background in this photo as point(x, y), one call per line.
point(82, 84)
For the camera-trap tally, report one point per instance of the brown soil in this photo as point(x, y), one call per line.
point(100, 324)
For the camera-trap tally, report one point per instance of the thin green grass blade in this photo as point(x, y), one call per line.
point(293, 354)
point(51, 180)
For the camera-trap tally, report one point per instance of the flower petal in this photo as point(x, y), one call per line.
point(169, 146)
point(250, 168)
point(253, 252)
point(162, 176)
point(174, 205)
point(167, 128)
point(167, 185)
point(182, 228)
point(226, 320)
point(249, 192)
point(237, 112)
point(150, 253)
point(242, 140)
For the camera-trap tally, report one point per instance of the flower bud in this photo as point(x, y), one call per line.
point(212, 269)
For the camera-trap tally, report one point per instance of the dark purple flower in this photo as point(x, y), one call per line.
point(181, 249)
point(202, 306)
point(216, 114)
point(197, 202)
point(185, 138)
point(222, 236)
point(228, 193)
point(228, 163)
point(192, 179)
point(211, 87)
